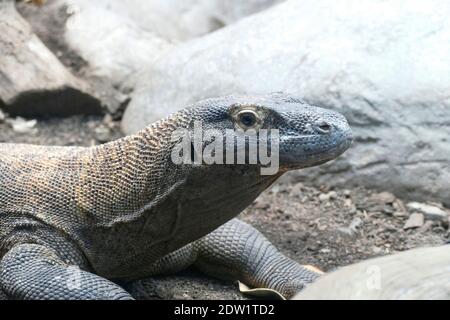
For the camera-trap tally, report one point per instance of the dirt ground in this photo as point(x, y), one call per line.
point(317, 226)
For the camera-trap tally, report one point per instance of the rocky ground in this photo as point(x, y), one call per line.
point(324, 227)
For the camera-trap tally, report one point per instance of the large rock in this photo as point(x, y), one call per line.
point(421, 274)
point(384, 64)
point(48, 22)
point(119, 38)
point(114, 46)
point(108, 42)
point(179, 19)
point(32, 80)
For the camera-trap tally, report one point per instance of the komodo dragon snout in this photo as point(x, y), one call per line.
point(298, 134)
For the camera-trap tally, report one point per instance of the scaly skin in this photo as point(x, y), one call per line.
point(124, 210)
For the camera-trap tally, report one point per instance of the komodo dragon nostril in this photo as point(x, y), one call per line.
point(323, 126)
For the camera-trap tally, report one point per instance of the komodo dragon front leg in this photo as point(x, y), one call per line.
point(237, 251)
point(37, 272)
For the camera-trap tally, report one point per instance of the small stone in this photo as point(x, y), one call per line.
point(390, 228)
point(102, 133)
point(373, 205)
point(347, 193)
point(325, 250)
point(108, 121)
point(416, 220)
point(431, 212)
point(375, 214)
point(259, 204)
point(303, 236)
point(21, 125)
point(332, 195)
point(352, 228)
point(2, 116)
point(351, 207)
point(400, 214)
point(389, 210)
point(275, 189)
point(384, 197)
point(328, 196)
point(399, 206)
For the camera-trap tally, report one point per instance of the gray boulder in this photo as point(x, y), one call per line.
point(114, 46)
point(384, 64)
point(119, 38)
point(179, 19)
point(418, 274)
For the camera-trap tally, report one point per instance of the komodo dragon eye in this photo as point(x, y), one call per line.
point(248, 119)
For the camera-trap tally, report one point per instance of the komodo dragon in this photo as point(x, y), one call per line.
point(76, 221)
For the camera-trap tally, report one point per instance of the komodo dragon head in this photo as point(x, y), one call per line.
point(278, 128)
